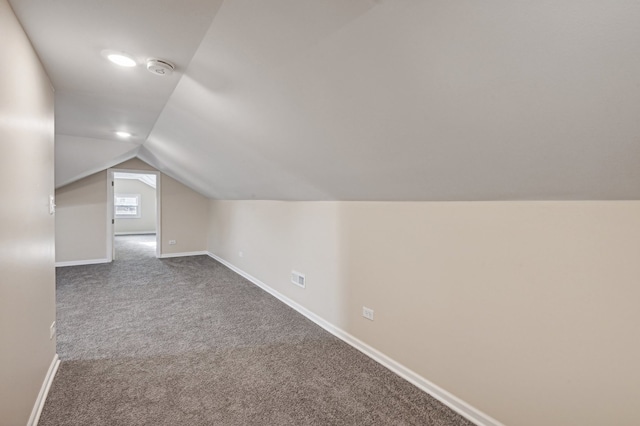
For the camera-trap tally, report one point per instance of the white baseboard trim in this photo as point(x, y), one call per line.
point(135, 233)
point(44, 391)
point(456, 404)
point(81, 262)
point(189, 253)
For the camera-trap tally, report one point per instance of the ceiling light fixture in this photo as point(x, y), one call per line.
point(123, 134)
point(121, 59)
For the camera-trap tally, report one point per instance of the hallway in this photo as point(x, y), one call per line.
point(187, 341)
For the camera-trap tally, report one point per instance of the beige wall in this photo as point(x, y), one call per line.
point(81, 219)
point(27, 286)
point(146, 223)
point(525, 310)
point(184, 218)
point(81, 222)
point(276, 237)
point(135, 164)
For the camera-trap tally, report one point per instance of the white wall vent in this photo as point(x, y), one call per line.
point(298, 279)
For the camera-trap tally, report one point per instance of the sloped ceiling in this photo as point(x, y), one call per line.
point(94, 98)
point(353, 100)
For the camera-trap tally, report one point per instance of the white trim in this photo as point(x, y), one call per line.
point(188, 253)
point(110, 216)
point(81, 262)
point(110, 208)
point(456, 404)
point(44, 391)
point(158, 215)
point(136, 233)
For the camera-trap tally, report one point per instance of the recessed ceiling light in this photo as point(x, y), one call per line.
point(123, 134)
point(122, 60)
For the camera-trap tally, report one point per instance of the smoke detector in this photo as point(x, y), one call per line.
point(160, 67)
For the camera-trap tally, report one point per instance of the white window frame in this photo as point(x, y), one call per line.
point(138, 214)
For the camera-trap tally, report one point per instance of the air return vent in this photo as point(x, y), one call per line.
point(298, 279)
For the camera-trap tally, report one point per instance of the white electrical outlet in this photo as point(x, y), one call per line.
point(172, 242)
point(367, 313)
point(52, 330)
point(241, 254)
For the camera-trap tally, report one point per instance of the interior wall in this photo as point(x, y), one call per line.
point(81, 219)
point(27, 287)
point(525, 310)
point(146, 223)
point(184, 218)
point(84, 203)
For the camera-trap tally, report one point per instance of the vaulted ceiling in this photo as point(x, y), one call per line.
point(351, 100)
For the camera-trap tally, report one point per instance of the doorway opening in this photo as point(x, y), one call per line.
point(134, 214)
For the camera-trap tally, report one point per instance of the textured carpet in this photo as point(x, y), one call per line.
point(186, 341)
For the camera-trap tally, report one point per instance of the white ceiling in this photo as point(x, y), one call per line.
point(146, 179)
point(352, 100)
point(94, 98)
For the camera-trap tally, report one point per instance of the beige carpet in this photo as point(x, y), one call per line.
point(186, 341)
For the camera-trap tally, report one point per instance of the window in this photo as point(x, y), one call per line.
point(127, 205)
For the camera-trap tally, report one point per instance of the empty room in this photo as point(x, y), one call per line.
point(319, 212)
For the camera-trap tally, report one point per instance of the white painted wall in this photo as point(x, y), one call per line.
point(27, 286)
point(146, 223)
point(525, 310)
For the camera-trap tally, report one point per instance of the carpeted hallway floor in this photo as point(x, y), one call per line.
point(186, 341)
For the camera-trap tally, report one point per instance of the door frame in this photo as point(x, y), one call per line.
point(111, 209)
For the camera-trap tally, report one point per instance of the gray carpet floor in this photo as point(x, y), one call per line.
point(186, 341)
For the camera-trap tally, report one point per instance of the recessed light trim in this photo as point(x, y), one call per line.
point(122, 60)
point(123, 134)
point(119, 58)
